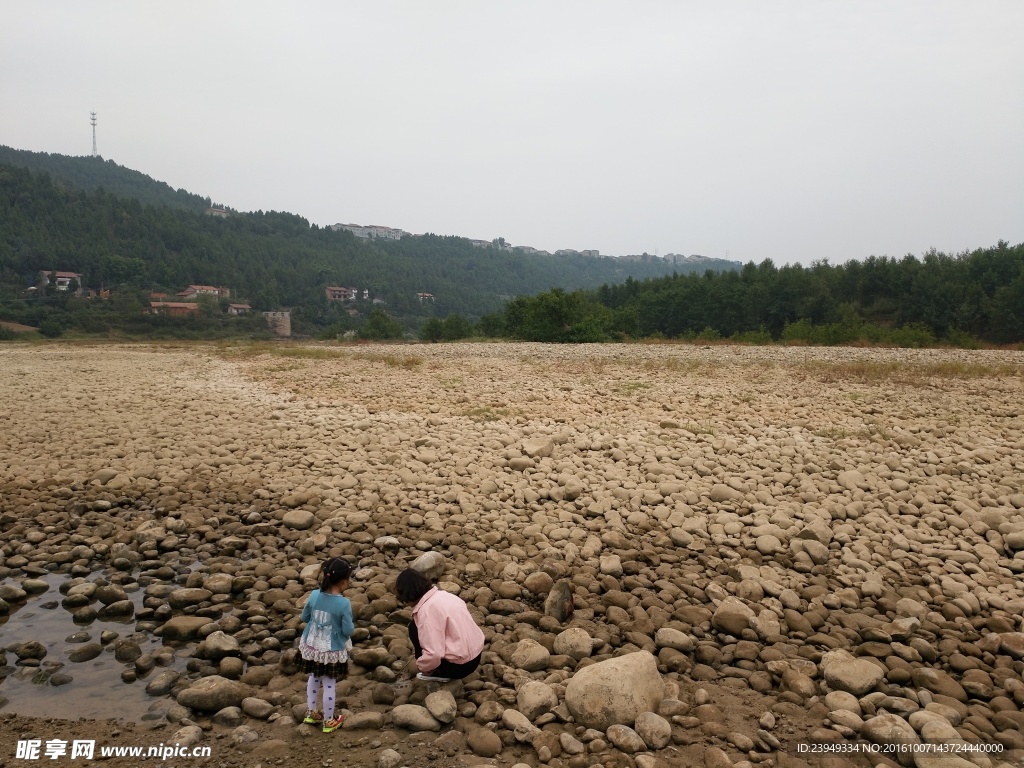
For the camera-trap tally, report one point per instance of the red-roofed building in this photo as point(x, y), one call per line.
point(336, 293)
point(173, 308)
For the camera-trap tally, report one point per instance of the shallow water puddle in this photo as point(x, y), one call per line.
point(96, 689)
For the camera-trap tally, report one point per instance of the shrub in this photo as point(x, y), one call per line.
point(331, 332)
point(709, 334)
point(759, 337)
point(913, 335)
point(961, 339)
point(380, 326)
point(492, 325)
point(800, 331)
point(432, 330)
point(455, 327)
point(51, 328)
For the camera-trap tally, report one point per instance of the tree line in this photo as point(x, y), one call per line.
point(910, 301)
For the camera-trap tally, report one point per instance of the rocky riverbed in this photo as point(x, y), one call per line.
point(680, 555)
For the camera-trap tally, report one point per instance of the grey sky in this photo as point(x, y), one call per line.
point(784, 130)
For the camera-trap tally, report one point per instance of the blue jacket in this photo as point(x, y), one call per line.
point(331, 620)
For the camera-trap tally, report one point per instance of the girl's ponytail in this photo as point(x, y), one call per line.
point(334, 570)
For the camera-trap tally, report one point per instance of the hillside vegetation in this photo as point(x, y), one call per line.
point(91, 173)
point(910, 302)
point(271, 259)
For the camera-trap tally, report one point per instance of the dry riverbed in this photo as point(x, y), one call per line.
point(776, 546)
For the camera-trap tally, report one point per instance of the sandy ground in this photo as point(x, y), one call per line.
point(19, 327)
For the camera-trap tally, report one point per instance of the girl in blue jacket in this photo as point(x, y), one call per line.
point(324, 644)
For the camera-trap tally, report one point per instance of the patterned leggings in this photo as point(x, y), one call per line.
point(313, 693)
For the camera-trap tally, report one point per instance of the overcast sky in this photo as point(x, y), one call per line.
point(786, 130)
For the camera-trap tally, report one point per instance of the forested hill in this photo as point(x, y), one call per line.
point(90, 173)
point(957, 299)
point(272, 259)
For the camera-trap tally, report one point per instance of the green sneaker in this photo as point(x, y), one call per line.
point(334, 723)
point(313, 717)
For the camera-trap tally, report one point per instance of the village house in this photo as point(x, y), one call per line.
point(425, 297)
point(238, 309)
point(173, 308)
point(375, 231)
point(61, 280)
point(336, 293)
point(195, 291)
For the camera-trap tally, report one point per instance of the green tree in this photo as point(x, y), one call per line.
point(455, 327)
point(492, 325)
point(380, 326)
point(51, 328)
point(432, 330)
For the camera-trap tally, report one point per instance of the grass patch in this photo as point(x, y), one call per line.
point(631, 387)
point(285, 367)
point(872, 428)
point(832, 432)
point(408, 362)
point(914, 374)
point(484, 413)
point(675, 365)
point(699, 427)
point(307, 353)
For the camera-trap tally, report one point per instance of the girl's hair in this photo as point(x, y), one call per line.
point(333, 571)
point(411, 585)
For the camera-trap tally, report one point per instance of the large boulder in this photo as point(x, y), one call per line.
point(484, 742)
point(182, 627)
point(559, 603)
point(655, 730)
point(574, 642)
point(732, 616)
point(413, 717)
point(429, 564)
point(214, 693)
point(535, 699)
point(721, 492)
point(615, 691)
point(530, 656)
point(844, 672)
point(218, 644)
point(538, 447)
point(442, 705)
point(940, 682)
point(892, 730)
point(162, 683)
point(186, 596)
point(86, 652)
point(298, 519)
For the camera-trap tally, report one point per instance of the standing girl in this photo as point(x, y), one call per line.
point(324, 644)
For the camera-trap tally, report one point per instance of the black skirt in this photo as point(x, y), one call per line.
point(336, 670)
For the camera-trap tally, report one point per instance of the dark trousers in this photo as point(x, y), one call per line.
point(446, 668)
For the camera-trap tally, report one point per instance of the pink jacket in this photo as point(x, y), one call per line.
point(446, 629)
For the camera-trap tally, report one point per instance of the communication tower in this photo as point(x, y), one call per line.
point(92, 119)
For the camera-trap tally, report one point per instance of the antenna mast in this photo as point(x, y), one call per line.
point(92, 119)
